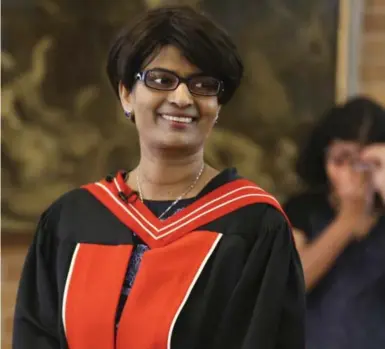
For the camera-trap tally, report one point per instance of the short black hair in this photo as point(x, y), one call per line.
point(342, 122)
point(201, 41)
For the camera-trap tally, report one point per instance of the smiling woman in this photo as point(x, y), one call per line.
point(175, 102)
point(172, 253)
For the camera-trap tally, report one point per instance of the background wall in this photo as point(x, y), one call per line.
point(372, 82)
point(372, 68)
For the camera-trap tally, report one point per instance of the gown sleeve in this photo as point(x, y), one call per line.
point(36, 312)
point(267, 307)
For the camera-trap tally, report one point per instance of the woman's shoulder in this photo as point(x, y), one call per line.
point(67, 205)
point(67, 200)
point(263, 216)
point(307, 200)
point(301, 207)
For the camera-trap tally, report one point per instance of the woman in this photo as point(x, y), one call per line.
point(172, 254)
point(339, 228)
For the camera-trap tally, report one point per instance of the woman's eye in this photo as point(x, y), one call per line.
point(163, 81)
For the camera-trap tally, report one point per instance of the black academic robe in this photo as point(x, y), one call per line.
point(221, 274)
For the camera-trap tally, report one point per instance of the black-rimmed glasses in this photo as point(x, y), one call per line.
point(165, 80)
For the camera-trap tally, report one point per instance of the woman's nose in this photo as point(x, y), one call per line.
point(181, 96)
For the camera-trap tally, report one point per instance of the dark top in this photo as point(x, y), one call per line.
point(346, 309)
point(221, 274)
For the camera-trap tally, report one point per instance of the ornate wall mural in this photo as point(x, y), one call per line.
point(61, 123)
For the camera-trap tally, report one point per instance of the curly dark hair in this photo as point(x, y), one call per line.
point(342, 122)
point(202, 42)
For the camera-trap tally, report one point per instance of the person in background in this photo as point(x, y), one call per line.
point(339, 227)
point(172, 254)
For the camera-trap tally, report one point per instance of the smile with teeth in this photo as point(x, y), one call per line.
point(182, 119)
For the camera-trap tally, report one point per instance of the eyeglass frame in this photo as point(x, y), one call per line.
point(141, 76)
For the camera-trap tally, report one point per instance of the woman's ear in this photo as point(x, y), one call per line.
point(125, 98)
point(219, 109)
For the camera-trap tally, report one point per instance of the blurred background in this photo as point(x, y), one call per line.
point(62, 125)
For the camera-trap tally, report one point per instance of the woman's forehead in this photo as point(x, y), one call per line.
point(345, 145)
point(171, 58)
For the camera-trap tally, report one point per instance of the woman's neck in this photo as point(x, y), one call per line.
point(162, 178)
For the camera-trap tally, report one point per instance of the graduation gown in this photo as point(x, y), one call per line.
point(221, 274)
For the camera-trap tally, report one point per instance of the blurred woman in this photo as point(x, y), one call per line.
point(339, 227)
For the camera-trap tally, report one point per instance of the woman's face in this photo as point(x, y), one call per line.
point(340, 157)
point(175, 119)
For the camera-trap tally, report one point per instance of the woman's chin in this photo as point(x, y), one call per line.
point(178, 143)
